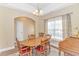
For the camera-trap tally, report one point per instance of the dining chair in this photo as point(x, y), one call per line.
point(23, 50)
point(41, 34)
point(32, 36)
point(42, 49)
point(39, 50)
point(48, 36)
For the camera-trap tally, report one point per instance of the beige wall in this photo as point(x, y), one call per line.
point(39, 24)
point(74, 9)
point(7, 33)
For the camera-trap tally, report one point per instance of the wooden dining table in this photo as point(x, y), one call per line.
point(33, 42)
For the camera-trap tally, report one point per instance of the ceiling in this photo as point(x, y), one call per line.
point(30, 7)
point(41, 5)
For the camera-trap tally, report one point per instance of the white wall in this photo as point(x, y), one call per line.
point(74, 9)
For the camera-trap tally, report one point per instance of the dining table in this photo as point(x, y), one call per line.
point(32, 43)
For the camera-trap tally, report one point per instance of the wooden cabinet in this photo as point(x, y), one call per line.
point(69, 46)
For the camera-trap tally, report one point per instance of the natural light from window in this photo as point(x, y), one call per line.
point(55, 28)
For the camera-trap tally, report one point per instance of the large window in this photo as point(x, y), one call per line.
point(55, 28)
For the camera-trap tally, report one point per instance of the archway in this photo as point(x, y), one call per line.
point(23, 27)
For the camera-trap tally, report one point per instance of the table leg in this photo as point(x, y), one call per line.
point(59, 52)
point(31, 51)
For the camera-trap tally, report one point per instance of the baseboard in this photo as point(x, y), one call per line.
point(6, 49)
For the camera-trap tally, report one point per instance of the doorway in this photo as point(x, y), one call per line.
point(23, 27)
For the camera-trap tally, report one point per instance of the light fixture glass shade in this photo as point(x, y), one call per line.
point(38, 12)
point(41, 12)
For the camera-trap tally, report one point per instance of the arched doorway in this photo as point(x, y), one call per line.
point(23, 27)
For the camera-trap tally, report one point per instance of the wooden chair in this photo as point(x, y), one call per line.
point(48, 36)
point(32, 36)
point(48, 43)
point(42, 49)
point(41, 34)
point(23, 50)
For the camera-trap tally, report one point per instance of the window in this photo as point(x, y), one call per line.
point(55, 28)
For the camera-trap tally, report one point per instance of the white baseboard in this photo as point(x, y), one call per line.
point(6, 49)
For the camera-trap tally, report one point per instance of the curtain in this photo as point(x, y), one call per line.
point(66, 21)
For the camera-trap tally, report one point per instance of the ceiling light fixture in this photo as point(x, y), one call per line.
point(38, 11)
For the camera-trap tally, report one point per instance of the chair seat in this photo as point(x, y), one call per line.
point(40, 48)
point(25, 49)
